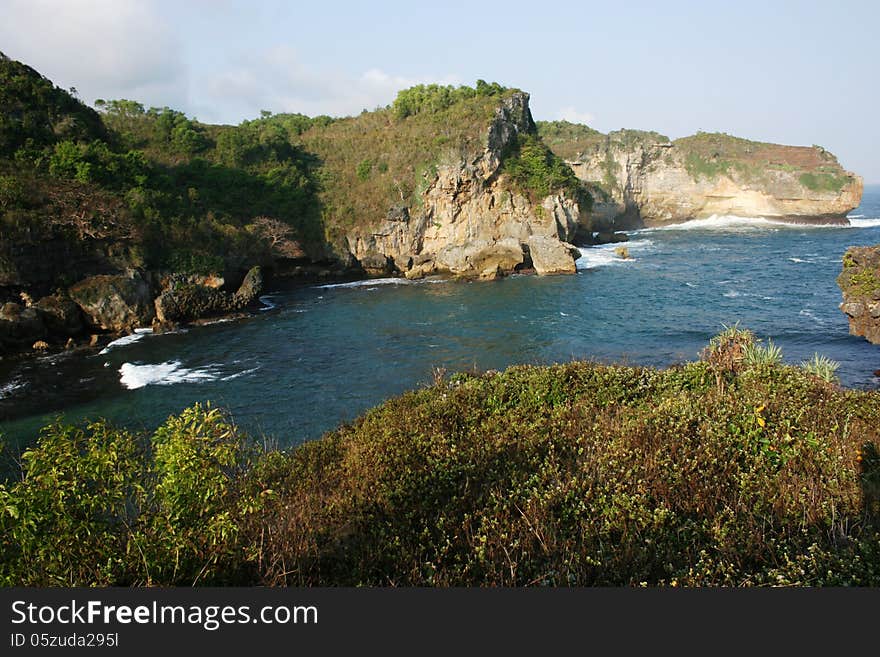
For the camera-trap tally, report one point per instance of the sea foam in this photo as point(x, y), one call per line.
point(735, 224)
point(134, 376)
point(593, 257)
point(127, 339)
point(7, 389)
point(372, 282)
point(860, 222)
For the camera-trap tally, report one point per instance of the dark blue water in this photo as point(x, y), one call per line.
point(323, 355)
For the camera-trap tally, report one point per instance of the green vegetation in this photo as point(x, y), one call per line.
point(149, 187)
point(821, 367)
point(35, 113)
point(536, 171)
point(758, 355)
point(863, 282)
point(823, 182)
point(708, 155)
point(716, 472)
point(101, 506)
point(433, 98)
point(569, 140)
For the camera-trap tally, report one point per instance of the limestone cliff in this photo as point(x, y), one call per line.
point(860, 283)
point(644, 179)
point(469, 220)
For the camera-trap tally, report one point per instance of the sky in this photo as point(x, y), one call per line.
point(798, 72)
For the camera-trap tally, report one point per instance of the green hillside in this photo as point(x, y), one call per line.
point(135, 186)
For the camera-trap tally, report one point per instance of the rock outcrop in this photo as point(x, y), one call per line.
point(860, 283)
point(469, 220)
point(61, 316)
point(185, 299)
point(19, 326)
point(550, 256)
point(117, 303)
point(643, 179)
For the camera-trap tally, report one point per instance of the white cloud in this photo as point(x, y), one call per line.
point(573, 116)
point(127, 49)
point(105, 48)
point(277, 80)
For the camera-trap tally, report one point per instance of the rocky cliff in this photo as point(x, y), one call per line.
point(860, 283)
point(644, 179)
point(469, 219)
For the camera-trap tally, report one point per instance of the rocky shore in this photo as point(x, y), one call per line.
point(117, 304)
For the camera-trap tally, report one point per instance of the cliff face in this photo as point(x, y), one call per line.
point(860, 283)
point(469, 220)
point(643, 179)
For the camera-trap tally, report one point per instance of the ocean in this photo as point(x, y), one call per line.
point(318, 356)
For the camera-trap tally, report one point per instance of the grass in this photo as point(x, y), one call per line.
point(705, 156)
point(709, 155)
point(379, 159)
point(571, 474)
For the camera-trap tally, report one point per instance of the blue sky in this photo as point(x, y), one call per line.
point(788, 72)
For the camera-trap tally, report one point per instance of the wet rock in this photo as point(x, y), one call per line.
point(610, 238)
point(550, 256)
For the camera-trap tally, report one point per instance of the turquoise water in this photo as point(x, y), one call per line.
point(322, 355)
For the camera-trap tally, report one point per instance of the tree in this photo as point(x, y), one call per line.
point(278, 235)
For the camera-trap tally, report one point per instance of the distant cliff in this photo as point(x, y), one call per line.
point(643, 179)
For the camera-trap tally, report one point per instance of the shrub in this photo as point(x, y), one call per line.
point(364, 168)
point(11, 192)
point(575, 474)
point(536, 171)
point(758, 355)
point(97, 505)
point(821, 367)
point(433, 98)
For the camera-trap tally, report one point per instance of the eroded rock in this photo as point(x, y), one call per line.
point(860, 283)
point(184, 301)
point(117, 303)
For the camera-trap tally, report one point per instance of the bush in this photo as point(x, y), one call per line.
point(97, 505)
point(536, 171)
point(11, 192)
point(434, 98)
point(821, 367)
point(364, 169)
point(757, 355)
point(575, 474)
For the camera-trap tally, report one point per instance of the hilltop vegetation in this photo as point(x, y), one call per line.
point(572, 140)
point(733, 470)
point(386, 158)
point(705, 155)
point(711, 154)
